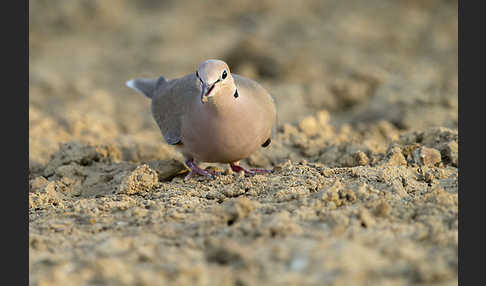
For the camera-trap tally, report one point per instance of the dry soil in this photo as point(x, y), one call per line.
point(365, 161)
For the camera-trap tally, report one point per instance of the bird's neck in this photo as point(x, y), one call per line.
point(223, 102)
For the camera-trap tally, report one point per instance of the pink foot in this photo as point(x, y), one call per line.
point(196, 170)
point(251, 172)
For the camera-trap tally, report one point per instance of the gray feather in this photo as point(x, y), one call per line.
point(146, 86)
point(169, 104)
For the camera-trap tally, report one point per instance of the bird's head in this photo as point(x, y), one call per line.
point(216, 80)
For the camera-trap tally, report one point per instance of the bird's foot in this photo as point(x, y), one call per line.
point(196, 170)
point(237, 168)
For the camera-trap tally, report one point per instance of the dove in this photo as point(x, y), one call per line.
point(211, 115)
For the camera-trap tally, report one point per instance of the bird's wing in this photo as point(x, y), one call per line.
point(170, 104)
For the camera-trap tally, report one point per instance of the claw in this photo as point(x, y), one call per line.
point(196, 170)
point(251, 172)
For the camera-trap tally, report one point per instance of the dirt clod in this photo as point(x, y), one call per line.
point(142, 179)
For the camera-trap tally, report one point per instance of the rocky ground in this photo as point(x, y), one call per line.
point(365, 161)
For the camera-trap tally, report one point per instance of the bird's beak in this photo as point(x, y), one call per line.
point(204, 87)
point(206, 90)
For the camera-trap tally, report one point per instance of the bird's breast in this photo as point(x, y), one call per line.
point(224, 135)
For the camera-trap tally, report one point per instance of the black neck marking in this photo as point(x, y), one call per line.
point(236, 93)
point(266, 143)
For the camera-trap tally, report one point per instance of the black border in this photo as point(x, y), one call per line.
point(15, 121)
point(470, 93)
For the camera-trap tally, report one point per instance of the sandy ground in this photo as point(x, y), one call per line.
point(364, 183)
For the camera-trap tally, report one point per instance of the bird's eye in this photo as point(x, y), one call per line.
point(224, 75)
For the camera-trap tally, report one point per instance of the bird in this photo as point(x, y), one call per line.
point(211, 115)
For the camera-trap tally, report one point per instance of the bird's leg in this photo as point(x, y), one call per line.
point(196, 170)
point(237, 168)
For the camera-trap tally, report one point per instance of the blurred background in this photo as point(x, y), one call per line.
point(363, 61)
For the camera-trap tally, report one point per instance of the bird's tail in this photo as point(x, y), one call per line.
point(146, 86)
